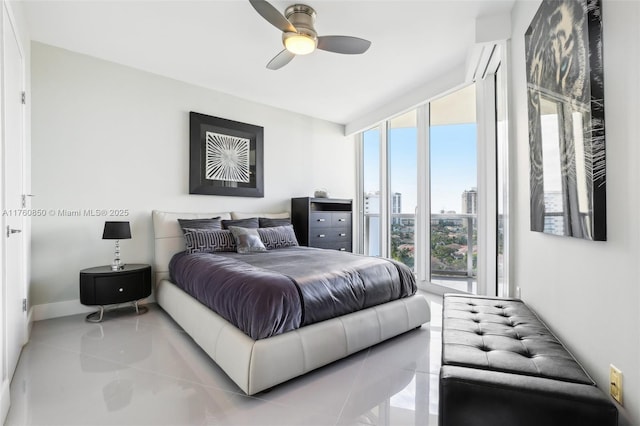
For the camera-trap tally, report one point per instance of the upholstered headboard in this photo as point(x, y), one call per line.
point(168, 238)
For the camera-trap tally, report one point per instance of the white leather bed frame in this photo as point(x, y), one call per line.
point(256, 365)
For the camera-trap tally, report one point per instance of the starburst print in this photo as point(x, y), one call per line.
point(227, 158)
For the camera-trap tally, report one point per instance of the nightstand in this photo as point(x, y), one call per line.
point(102, 286)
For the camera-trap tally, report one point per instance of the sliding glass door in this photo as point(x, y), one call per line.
point(453, 160)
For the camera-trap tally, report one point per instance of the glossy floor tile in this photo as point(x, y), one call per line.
point(144, 370)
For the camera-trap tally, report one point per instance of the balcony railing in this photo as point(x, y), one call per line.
point(453, 243)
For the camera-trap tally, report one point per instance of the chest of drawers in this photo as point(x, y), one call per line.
point(323, 222)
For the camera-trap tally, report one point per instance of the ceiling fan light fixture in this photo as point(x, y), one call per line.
point(299, 35)
point(299, 44)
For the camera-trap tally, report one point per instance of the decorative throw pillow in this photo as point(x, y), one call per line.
point(242, 223)
point(247, 239)
point(278, 237)
point(266, 222)
point(213, 223)
point(209, 240)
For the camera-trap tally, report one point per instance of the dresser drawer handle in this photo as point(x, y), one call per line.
point(343, 249)
point(120, 289)
point(321, 220)
point(342, 219)
point(321, 236)
point(342, 234)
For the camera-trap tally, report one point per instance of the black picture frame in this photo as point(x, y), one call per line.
point(565, 93)
point(225, 157)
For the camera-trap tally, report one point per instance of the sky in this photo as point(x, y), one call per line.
point(453, 165)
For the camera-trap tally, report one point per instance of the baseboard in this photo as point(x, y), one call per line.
point(59, 309)
point(5, 401)
point(29, 322)
point(65, 308)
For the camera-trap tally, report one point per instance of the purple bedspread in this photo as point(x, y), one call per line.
point(264, 294)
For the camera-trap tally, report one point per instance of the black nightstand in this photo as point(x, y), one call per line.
point(102, 286)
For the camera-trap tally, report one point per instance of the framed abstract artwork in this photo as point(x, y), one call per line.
point(565, 92)
point(225, 157)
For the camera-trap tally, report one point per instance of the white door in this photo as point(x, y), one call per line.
point(13, 232)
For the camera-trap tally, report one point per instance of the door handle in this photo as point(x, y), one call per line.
point(12, 231)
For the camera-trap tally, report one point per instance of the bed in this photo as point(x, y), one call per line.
point(256, 365)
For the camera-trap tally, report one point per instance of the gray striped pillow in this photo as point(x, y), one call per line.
point(208, 240)
point(278, 237)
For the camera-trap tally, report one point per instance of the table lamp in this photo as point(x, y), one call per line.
point(116, 231)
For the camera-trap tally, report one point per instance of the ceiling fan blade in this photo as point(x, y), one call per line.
point(280, 60)
point(343, 44)
point(272, 15)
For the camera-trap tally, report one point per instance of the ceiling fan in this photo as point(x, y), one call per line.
point(299, 36)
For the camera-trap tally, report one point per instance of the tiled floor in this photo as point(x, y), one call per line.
point(135, 370)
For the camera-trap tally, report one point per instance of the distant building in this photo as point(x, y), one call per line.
point(372, 203)
point(554, 213)
point(470, 201)
point(396, 203)
point(372, 219)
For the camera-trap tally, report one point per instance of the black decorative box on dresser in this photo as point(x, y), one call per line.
point(100, 286)
point(323, 222)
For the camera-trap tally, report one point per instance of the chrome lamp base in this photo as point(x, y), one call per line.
point(117, 265)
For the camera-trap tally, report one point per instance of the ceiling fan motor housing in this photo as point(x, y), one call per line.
point(302, 17)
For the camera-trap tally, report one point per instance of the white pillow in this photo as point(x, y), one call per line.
point(237, 215)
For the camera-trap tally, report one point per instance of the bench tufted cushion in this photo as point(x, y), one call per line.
point(504, 335)
point(502, 366)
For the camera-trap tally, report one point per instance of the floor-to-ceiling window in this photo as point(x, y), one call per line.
point(371, 195)
point(403, 167)
point(389, 189)
point(390, 195)
point(434, 183)
point(453, 160)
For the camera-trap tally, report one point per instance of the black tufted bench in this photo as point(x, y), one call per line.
point(501, 366)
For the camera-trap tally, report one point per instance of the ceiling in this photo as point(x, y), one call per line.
point(225, 45)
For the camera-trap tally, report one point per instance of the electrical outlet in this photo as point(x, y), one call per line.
point(615, 383)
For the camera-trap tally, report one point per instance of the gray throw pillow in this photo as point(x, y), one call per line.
point(247, 240)
point(266, 222)
point(278, 237)
point(242, 223)
point(212, 223)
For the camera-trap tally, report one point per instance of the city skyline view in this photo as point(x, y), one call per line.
point(453, 165)
point(453, 189)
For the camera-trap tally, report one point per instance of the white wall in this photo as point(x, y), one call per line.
point(110, 137)
point(588, 292)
